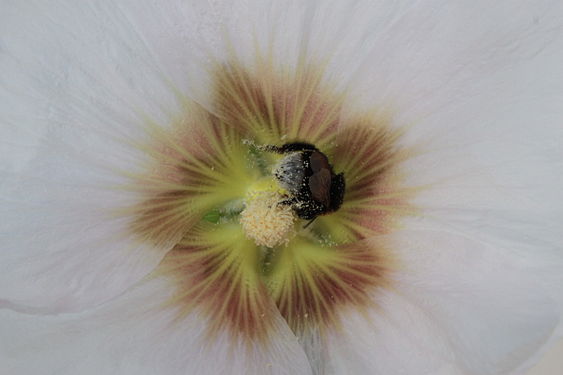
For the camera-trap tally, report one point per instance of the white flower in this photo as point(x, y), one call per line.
point(121, 130)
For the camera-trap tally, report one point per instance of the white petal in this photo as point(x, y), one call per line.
point(399, 338)
point(134, 335)
point(495, 311)
point(69, 265)
point(481, 96)
point(455, 306)
point(77, 84)
point(480, 88)
point(459, 303)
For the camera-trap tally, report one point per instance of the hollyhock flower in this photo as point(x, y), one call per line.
point(148, 219)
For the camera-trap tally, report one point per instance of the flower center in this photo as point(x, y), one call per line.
point(233, 213)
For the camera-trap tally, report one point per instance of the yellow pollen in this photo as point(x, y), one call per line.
point(265, 220)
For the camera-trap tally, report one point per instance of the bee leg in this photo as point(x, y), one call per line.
point(309, 223)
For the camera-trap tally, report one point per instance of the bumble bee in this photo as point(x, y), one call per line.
point(305, 172)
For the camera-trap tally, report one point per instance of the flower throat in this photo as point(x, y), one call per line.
point(235, 213)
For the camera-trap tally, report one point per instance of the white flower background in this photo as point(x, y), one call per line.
point(478, 83)
point(551, 364)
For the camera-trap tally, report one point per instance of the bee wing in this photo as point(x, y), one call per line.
point(318, 161)
point(319, 184)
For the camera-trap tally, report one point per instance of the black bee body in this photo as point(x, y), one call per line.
point(305, 172)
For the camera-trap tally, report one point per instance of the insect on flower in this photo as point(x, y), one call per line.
point(309, 177)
